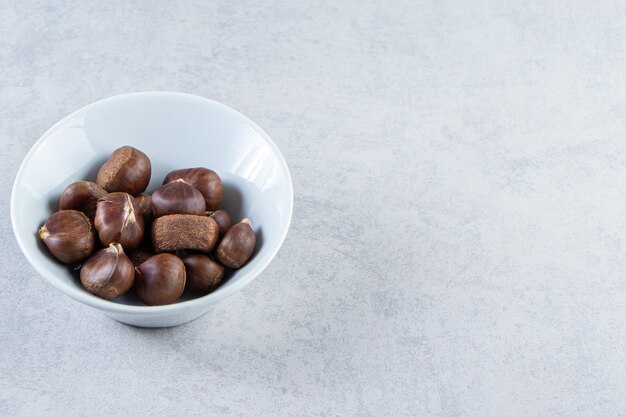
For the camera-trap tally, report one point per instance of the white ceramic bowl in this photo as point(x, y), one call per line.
point(176, 131)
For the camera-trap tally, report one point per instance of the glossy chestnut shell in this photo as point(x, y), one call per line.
point(160, 280)
point(108, 273)
point(82, 196)
point(127, 170)
point(203, 273)
point(69, 235)
point(204, 180)
point(118, 219)
point(237, 245)
point(177, 197)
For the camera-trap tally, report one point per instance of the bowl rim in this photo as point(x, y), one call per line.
point(138, 310)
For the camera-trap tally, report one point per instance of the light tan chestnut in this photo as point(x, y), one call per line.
point(177, 197)
point(237, 245)
point(127, 170)
point(108, 273)
point(118, 220)
point(69, 235)
point(160, 280)
point(204, 180)
point(176, 232)
point(203, 273)
point(82, 196)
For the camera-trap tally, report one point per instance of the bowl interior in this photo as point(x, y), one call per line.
point(175, 131)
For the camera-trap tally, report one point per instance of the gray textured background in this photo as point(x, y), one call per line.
point(458, 240)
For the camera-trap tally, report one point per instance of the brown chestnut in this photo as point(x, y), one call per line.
point(184, 231)
point(141, 254)
point(118, 220)
point(82, 196)
point(69, 235)
point(177, 197)
point(160, 280)
point(237, 245)
point(223, 220)
point(204, 180)
point(108, 273)
point(144, 201)
point(203, 273)
point(127, 170)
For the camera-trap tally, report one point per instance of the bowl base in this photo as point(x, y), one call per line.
point(156, 321)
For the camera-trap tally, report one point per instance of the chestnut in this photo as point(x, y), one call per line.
point(118, 220)
point(237, 245)
point(203, 273)
point(108, 273)
point(140, 254)
point(177, 197)
point(204, 180)
point(69, 235)
point(223, 220)
point(82, 196)
point(144, 201)
point(127, 170)
point(176, 232)
point(160, 280)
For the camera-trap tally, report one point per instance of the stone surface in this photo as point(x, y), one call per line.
point(457, 242)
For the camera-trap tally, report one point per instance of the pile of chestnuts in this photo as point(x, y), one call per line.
point(159, 244)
